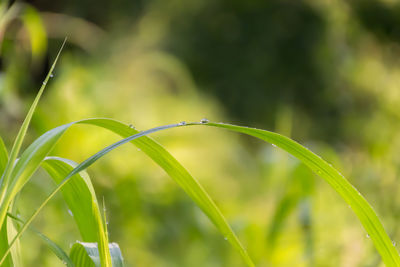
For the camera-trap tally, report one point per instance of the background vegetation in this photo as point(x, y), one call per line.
point(325, 73)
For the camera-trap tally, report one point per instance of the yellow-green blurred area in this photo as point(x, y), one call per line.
point(326, 73)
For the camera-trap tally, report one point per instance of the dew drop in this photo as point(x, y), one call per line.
point(274, 145)
point(139, 149)
point(182, 123)
point(367, 235)
point(394, 243)
point(204, 121)
point(51, 75)
point(131, 126)
point(70, 213)
point(225, 238)
point(44, 83)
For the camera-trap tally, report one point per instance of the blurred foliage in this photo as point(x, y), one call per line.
point(324, 72)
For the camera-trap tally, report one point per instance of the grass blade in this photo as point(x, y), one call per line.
point(6, 175)
point(3, 155)
point(3, 230)
point(28, 163)
point(4, 246)
point(181, 176)
point(87, 255)
point(81, 199)
point(148, 146)
point(357, 202)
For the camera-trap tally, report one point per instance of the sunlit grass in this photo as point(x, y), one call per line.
point(77, 190)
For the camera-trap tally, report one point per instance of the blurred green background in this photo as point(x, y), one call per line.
point(324, 72)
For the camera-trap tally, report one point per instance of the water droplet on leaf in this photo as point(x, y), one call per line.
point(70, 213)
point(204, 121)
point(367, 235)
point(182, 123)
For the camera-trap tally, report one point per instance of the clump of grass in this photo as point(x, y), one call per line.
point(79, 194)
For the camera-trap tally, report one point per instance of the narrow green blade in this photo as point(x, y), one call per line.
point(3, 155)
point(28, 163)
point(57, 250)
point(357, 202)
point(34, 155)
point(3, 230)
point(181, 176)
point(87, 255)
point(6, 175)
point(81, 199)
point(4, 245)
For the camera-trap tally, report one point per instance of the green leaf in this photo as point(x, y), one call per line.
point(28, 163)
point(4, 245)
point(3, 230)
point(3, 155)
point(80, 197)
point(57, 250)
point(6, 175)
point(348, 192)
point(16, 258)
point(35, 153)
point(87, 255)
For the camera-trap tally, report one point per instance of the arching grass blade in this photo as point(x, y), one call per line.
point(153, 150)
point(81, 199)
point(349, 193)
point(6, 174)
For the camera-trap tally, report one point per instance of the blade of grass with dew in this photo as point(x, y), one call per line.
point(105, 230)
point(348, 192)
point(57, 250)
point(180, 175)
point(147, 145)
point(33, 156)
point(81, 199)
point(6, 175)
point(87, 255)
